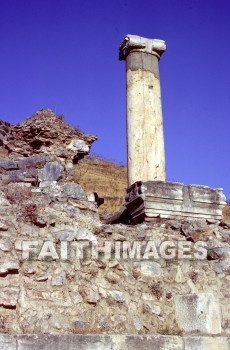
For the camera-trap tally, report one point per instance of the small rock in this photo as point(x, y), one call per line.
point(180, 278)
point(201, 234)
point(9, 297)
point(8, 267)
point(221, 253)
point(221, 266)
point(101, 264)
point(74, 191)
point(79, 324)
point(39, 220)
point(42, 278)
point(112, 277)
point(119, 237)
point(225, 234)
point(65, 235)
point(27, 175)
point(141, 235)
point(212, 221)
point(83, 234)
point(36, 161)
point(117, 296)
point(118, 319)
point(29, 271)
point(76, 297)
point(52, 171)
point(8, 164)
point(146, 270)
point(187, 228)
point(91, 296)
point(57, 281)
point(36, 190)
point(72, 209)
point(53, 190)
point(225, 224)
point(47, 183)
point(113, 263)
point(3, 226)
point(5, 246)
point(102, 323)
point(148, 297)
point(58, 295)
point(199, 224)
point(137, 323)
point(175, 225)
point(3, 201)
point(152, 308)
point(78, 146)
point(102, 292)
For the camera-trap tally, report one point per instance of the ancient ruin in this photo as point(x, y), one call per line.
point(149, 196)
point(145, 140)
point(68, 280)
point(147, 201)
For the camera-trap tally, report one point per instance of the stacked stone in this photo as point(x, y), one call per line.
point(4, 131)
point(48, 133)
point(42, 138)
point(37, 196)
point(37, 167)
point(41, 148)
point(118, 296)
point(148, 201)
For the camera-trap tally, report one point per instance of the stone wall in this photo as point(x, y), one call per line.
point(109, 295)
point(50, 285)
point(44, 133)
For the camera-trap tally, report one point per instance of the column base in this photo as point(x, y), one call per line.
point(151, 200)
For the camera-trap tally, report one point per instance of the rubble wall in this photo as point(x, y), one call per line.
point(132, 293)
point(63, 271)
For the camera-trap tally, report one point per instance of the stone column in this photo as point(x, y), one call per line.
point(146, 156)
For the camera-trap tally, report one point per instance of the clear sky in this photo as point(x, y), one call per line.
point(63, 55)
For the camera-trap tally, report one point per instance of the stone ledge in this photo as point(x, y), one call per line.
point(110, 342)
point(149, 200)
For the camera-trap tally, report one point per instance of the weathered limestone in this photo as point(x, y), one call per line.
point(8, 342)
point(70, 342)
point(110, 342)
point(206, 343)
point(146, 157)
point(146, 201)
point(198, 313)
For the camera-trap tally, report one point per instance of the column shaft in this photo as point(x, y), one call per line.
point(145, 147)
point(145, 139)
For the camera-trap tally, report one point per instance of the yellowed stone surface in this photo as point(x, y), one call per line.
point(146, 157)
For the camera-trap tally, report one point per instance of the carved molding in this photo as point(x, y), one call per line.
point(137, 43)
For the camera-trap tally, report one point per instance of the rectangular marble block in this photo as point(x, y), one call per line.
point(111, 342)
point(146, 201)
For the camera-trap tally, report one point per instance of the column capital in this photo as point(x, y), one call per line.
point(133, 43)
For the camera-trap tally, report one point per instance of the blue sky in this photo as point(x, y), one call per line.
point(63, 55)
